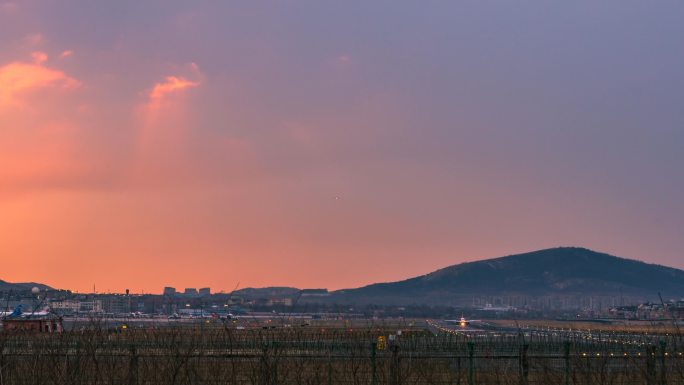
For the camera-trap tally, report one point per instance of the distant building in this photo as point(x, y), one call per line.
point(44, 324)
point(192, 312)
point(169, 291)
point(116, 304)
point(279, 302)
point(312, 295)
point(190, 291)
point(94, 306)
point(67, 306)
point(624, 312)
point(205, 291)
point(650, 311)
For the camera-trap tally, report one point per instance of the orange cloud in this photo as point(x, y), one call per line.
point(66, 53)
point(172, 84)
point(18, 78)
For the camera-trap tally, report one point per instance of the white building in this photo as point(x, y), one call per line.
point(94, 306)
point(66, 306)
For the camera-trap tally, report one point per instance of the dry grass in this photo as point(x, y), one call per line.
point(315, 355)
point(627, 326)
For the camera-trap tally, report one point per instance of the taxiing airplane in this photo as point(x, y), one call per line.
point(18, 312)
point(462, 322)
point(14, 313)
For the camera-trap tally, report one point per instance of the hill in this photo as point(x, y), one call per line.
point(266, 292)
point(8, 286)
point(561, 271)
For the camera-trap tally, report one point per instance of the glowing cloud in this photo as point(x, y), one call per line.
point(66, 53)
point(17, 78)
point(172, 84)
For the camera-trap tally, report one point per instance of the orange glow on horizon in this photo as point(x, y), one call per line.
point(307, 153)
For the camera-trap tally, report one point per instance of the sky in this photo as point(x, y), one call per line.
point(328, 144)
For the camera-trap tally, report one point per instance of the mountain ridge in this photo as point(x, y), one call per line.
point(554, 271)
point(20, 286)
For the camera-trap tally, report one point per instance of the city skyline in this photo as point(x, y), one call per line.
point(156, 144)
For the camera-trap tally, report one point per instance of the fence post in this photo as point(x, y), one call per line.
point(395, 376)
point(264, 375)
point(650, 365)
point(458, 369)
point(133, 367)
point(523, 365)
point(663, 365)
point(329, 369)
point(274, 380)
point(374, 375)
point(566, 356)
point(471, 352)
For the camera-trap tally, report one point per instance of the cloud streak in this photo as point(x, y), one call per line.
point(19, 78)
point(171, 85)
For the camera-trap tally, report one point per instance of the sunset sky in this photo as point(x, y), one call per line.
point(332, 144)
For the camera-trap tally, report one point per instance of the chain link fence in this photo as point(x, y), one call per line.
point(341, 356)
